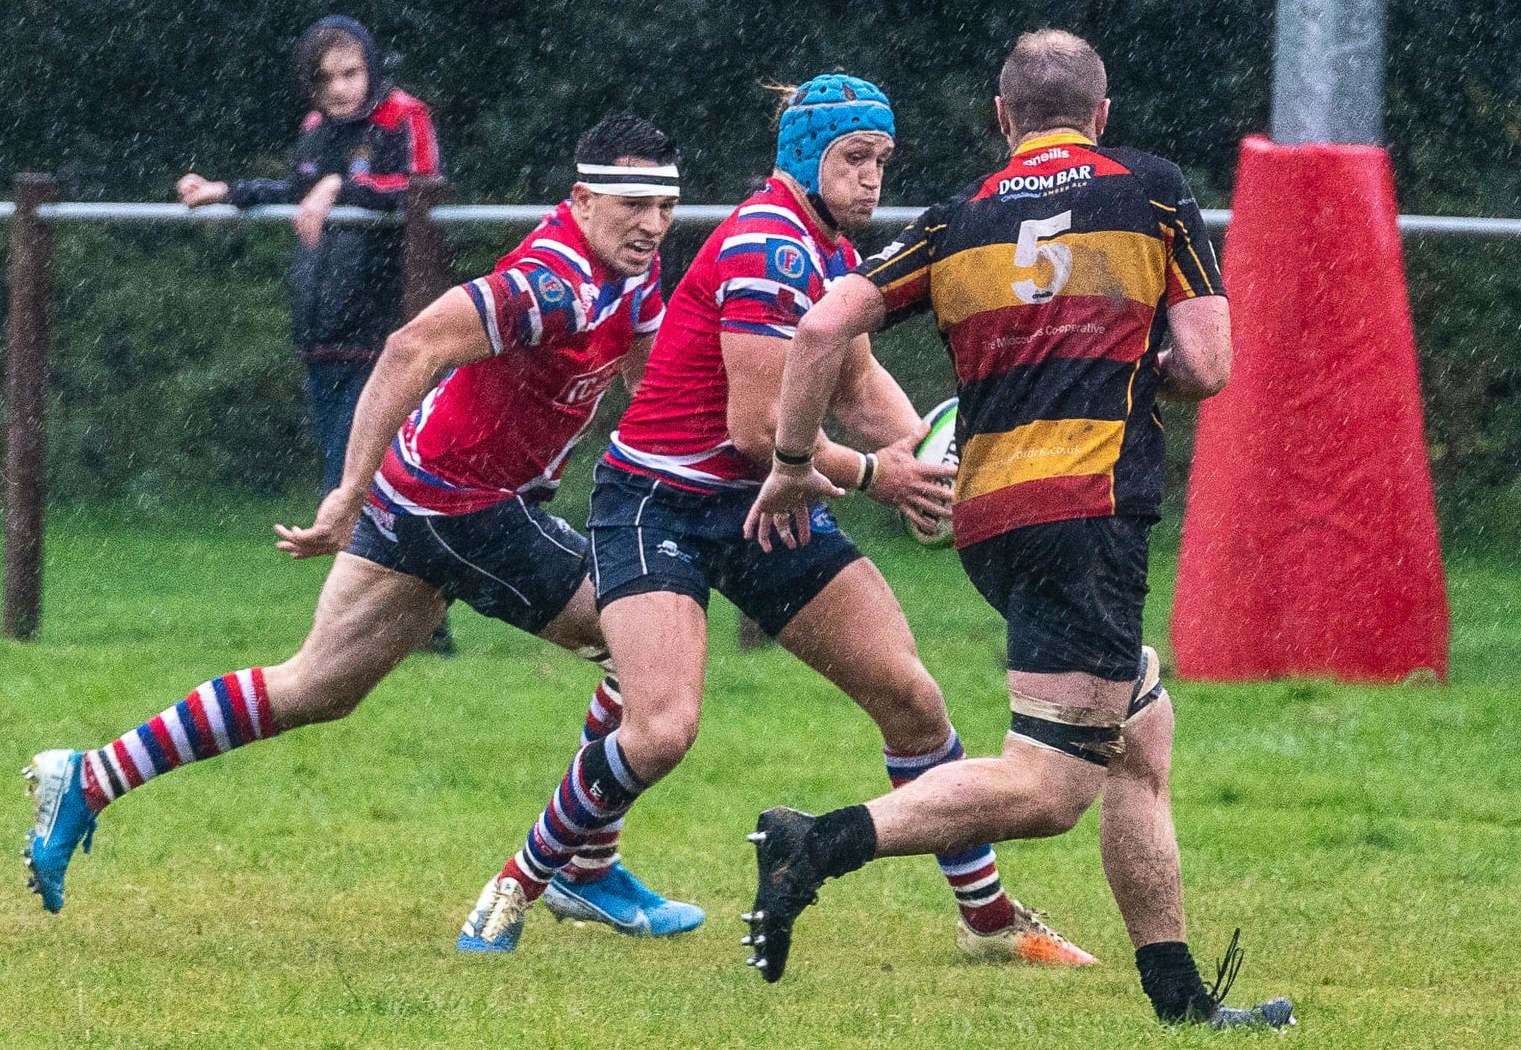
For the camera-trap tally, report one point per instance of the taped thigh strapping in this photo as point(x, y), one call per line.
point(1082, 732)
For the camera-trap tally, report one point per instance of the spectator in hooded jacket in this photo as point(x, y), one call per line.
point(359, 145)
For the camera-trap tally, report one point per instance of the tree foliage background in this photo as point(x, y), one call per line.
point(172, 371)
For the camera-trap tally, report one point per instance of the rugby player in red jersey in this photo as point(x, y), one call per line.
point(449, 482)
point(670, 501)
point(1053, 281)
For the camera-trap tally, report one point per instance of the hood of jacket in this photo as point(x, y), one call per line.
point(307, 62)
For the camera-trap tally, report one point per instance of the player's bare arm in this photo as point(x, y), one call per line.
point(1198, 364)
point(820, 350)
point(313, 210)
point(811, 375)
point(446, 334)
point(754, 364)
point(891, 475)
point(870, 403)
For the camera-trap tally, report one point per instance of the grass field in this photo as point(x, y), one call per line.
point(307, 891)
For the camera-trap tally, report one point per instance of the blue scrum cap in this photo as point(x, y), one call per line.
point(824, 109)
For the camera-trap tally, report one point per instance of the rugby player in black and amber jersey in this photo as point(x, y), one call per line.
point(1053, 281)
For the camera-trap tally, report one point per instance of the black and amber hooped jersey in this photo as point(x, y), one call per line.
point(1049, 280)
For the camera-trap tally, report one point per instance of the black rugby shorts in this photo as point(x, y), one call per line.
point(514, 562)
point(1071, 591)
point(648, 536)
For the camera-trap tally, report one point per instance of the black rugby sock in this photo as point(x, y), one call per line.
point(1171, 980)
point(841, 841)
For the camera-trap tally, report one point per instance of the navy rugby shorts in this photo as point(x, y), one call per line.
point(648, 536)
point(1071, 591)
point(514, 561)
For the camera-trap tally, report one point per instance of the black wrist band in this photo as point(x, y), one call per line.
point(793, 459)
point(868, 472)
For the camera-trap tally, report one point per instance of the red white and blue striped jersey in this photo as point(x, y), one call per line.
point(560, 323)
point(759, 272)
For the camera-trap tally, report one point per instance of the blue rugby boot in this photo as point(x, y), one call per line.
point(623, 902)
point(62, 819)
point(496, 921)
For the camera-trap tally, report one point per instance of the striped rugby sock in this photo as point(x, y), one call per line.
point(594, 859)
point(221, 714)
point(972, 873)
point(596, 791)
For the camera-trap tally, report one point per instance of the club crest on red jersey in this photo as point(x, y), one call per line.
point(551, 289)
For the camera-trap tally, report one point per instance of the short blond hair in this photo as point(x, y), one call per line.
point(1052, 79)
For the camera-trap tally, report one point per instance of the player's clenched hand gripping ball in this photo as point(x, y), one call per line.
point(937, 446)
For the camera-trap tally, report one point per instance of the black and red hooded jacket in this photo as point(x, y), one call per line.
point(346, 292)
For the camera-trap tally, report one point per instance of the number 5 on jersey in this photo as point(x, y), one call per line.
point(1029, 252)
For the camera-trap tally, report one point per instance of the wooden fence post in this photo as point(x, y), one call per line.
point(425, 253)
point(26, 390)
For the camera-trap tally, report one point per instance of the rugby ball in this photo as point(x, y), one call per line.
point(938, 446)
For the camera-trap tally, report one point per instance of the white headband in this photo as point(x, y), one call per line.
point(629, 181)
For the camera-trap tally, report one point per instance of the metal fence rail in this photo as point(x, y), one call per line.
point(1464, 226)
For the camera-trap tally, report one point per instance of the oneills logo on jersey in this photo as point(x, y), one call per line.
point(1055, 153)
point(1039, 185)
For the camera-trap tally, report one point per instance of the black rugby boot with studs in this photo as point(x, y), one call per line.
point(787, 882)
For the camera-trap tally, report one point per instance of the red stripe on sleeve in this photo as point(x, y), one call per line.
point(424, 142)
point(906, 294)
point(382, 183)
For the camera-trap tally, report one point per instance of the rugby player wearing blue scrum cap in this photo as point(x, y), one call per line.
point(671, 496)
point(819, 115)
